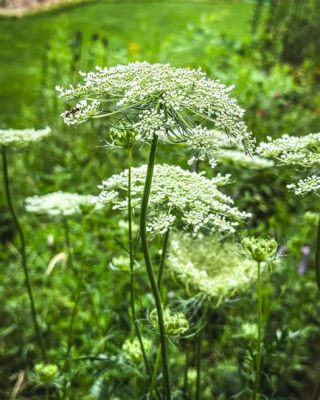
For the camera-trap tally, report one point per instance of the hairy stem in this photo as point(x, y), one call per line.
point(147, 258)
point(23, 255)
point(259, 331)
point(163, 257)
point(132, 274)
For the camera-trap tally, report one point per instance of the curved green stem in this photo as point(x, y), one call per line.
point(155, 370)
point(147, 258)
point(259, 340)
point(80, 285)
point(163, 257)
point(318, 254)
point(132, 275)
point(198, 365)
point(22, 253)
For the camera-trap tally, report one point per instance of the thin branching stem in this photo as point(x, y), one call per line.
point(151, 275)
point(23, 254)
point(259, 339)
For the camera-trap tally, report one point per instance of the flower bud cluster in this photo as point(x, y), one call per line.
point(132, 349)
point(46, 373)
point(175, 324)
point(260, 249)
point(122, 136)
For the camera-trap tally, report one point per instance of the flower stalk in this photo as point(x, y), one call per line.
point(23, 255)
point(132, 274)
point(259, 331)
point(147, 258)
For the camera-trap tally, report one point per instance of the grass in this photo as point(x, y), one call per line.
point(22, 40)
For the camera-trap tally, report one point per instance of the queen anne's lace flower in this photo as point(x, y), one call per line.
point(241, 159)
point(178, 198)
point(303, 150)
point(216, 146)
point(81, 112)
point(61, 204)
point(216, 271)
point(22, 137)
point(306, 186)
point(157, 99)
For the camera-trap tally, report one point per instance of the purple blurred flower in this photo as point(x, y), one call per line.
point(305, 251)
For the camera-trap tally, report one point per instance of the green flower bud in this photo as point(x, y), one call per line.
point(123, 136)
point(260, 249)
point(175, 324)
point(46, 372)
point(132, 349)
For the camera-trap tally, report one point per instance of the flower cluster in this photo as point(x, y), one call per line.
point(206, 143)
point(61, 204)
point(216, 270)
point(306, 186)
point(260, 249)
point(132, 349)
point(304, 150)
point(22, 137)
point(158, 99)
point(241, 159)
point(175, 324)
point(178, 198)
point(81, 112)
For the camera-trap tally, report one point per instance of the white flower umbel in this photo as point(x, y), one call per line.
point(306, 186)
point(241, 159)
point(22, 137)
point(205, 143)
point(157, 99)
point(302, 150)
point(61, 204)
point(178, 198)
point(215, 270)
